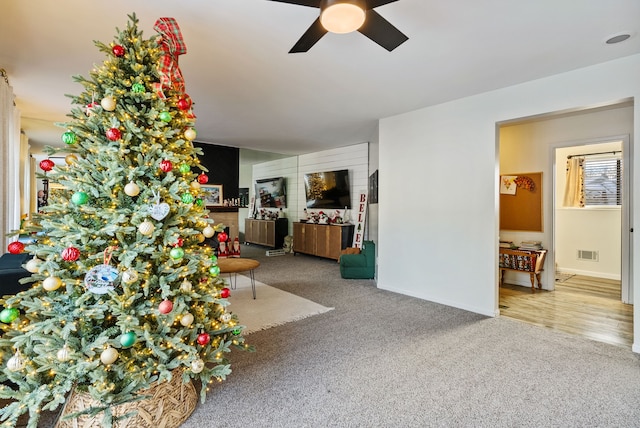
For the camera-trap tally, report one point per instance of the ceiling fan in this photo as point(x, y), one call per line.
point(345, 16)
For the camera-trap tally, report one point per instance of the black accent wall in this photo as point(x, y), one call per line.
point(223, 164)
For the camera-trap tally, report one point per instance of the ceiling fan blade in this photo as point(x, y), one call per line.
point(310, 3)
point(309, 38)
point(381, 31)
point(371, 4)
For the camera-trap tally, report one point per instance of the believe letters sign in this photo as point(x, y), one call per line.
point(361, 214)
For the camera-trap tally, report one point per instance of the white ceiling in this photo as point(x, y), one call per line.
point(250, 93)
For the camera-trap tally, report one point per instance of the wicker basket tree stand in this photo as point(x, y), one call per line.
point(170, 403)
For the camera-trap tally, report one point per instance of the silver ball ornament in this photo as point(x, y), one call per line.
point(132, 189)
point(146, 228)
point(197, 365)
point(208, 231)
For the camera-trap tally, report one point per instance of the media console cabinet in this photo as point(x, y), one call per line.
point(322, 240)
point(269, 233)
point(529, 261)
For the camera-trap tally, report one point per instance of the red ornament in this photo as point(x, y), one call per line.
point(165, 306)
point(113, 134)
point(118, 50)
point(184, 104)
point(47, 165)
point(70, 254)
point(222, 237)
point(166, 165)
point(225, 292)
point(15, 247)
point(203, 339)
point(179, 242)
point(203, 178)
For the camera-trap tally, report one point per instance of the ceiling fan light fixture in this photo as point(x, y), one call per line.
point(342, 16)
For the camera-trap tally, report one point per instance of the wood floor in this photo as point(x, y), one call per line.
point(581, 305)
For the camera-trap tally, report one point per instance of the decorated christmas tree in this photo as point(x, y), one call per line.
point(124, 294)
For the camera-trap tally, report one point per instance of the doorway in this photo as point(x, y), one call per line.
point(529, 145)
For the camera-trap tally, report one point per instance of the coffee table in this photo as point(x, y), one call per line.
point(237, 265)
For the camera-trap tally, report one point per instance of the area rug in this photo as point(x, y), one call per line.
point(272, 307)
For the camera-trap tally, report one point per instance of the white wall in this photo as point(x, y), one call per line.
point(355, 158)
point(438, 188)
point(530, 147)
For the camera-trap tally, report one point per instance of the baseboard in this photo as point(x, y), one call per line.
point(635, 348)
point(613, 276)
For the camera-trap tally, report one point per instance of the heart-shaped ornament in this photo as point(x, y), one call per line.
point(159, 211)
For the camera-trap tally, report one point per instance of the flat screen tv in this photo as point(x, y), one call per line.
point(329, 189)
point(271, 193)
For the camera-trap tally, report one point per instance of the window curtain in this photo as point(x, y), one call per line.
point(574, 184)
point(10, 165)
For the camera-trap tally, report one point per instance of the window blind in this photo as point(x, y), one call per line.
point(602, 181)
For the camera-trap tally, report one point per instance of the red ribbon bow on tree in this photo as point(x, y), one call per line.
point(172, 45)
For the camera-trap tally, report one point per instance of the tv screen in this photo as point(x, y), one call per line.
point(271, 193)
point(328, 189)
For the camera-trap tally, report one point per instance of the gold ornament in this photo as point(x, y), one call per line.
point(132, 189)
point(71, 159)
point(108, 103)
point(197, 365)
point(33, 265)
point(51, 283)
point(130, 276)
point(195, 185)
point(190, 134)
point(208, 231)
point(186, 320)
point(146, 228)
point(109, 355)
point(16, 363)
point(186, 286)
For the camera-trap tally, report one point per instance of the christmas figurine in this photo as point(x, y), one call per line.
point(235, 249)
point(223, 251)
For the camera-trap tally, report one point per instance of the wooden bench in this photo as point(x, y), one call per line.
point(530, 261)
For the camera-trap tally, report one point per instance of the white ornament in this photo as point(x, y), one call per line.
point(159, 211)
point(129, 276)
point(33, 265)
point(197, 365)
point(208, 231)
point(190, 134)
point(16, 363)
point(108, 103)
point(109, 355)
point(64, 354)
point(51, 283)
point(186, 286)
point(132, 189)
point(101, 279)
point(225, 317)
point(186, 320)
point(146, 228)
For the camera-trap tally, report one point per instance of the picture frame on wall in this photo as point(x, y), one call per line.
point(214, 197)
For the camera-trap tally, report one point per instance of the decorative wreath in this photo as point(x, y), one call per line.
point(525, 183)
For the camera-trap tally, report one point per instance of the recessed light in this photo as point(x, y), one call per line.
point(617, 38)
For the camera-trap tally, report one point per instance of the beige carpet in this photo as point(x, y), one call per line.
point(272, 307)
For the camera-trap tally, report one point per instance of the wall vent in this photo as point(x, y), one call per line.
point(589, 255)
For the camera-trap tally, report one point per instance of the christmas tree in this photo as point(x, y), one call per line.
point(124, 294)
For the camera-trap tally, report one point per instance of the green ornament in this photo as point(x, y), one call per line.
point(138, 88)
point(8, 315)
point(214, 271)
point(69, 137)
point(176, 253)
point(128, 339)
point(199, 202)
point(165, 116)
point(184, 168)
point(237, 331)
point(79, 198)
point(187, 198)
point(214, 258)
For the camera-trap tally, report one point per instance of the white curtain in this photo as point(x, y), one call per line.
point(574, 184)
point(10, 166)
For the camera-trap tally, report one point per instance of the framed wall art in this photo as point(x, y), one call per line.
point(214, 198)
